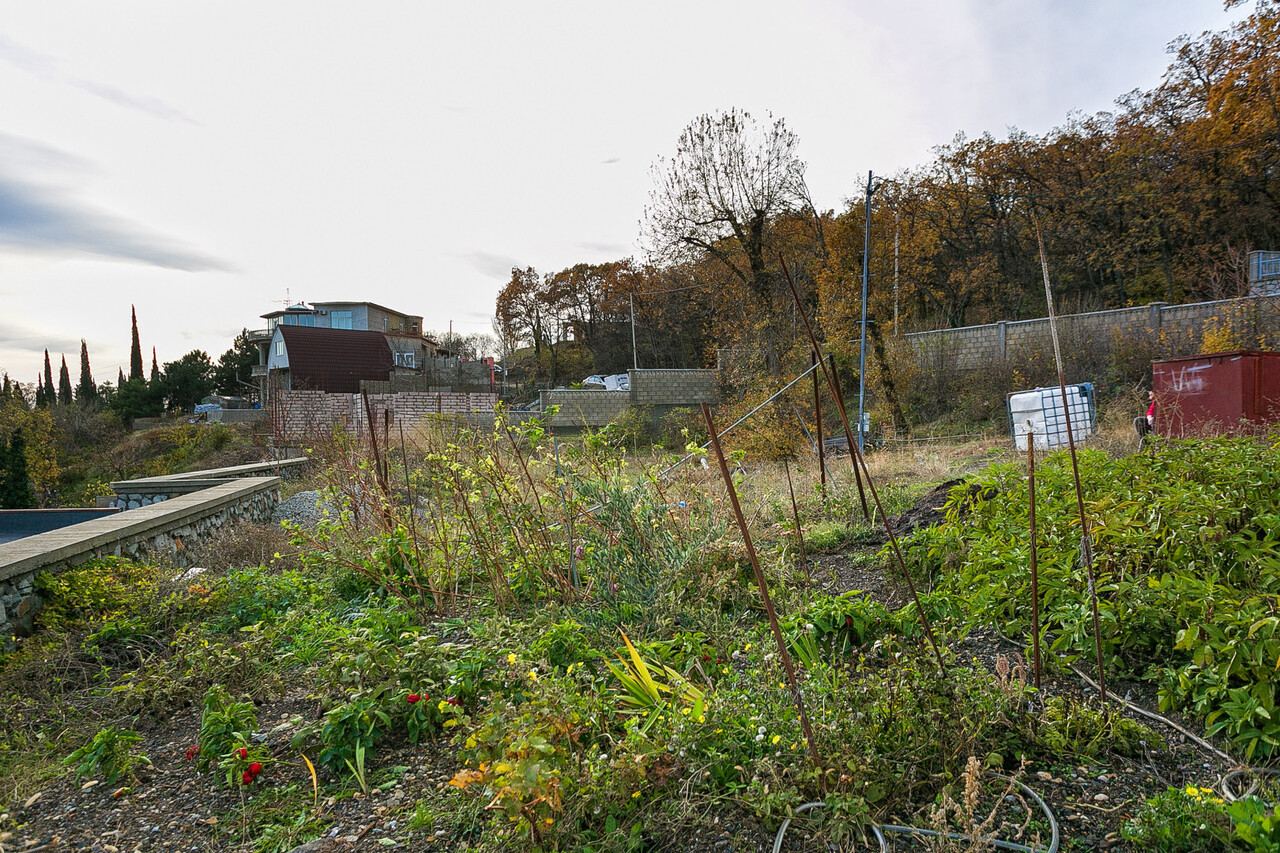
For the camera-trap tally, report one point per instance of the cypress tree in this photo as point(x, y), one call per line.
point(64, 384)
point(135, 351)
point(155, 369)
point(50, 390)
point(7, 391)
point(41, 402)
point(15, 488)
point(86, 390)
point(120, 381)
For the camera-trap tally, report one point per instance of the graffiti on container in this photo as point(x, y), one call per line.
point(1187, 380)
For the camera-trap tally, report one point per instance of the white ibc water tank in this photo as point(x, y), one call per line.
point(1039, 412)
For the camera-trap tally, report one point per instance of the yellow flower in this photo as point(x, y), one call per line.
point(471, 742)
point(748, 648)
point(533, 674)
point(685, 711)
point(718, 731)
point(511, 658)
point(441, 706)
point(776, 738)
point(635, 795)
point(702, 718)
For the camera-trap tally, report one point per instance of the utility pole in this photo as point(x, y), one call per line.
point(635, 358)
point(895, 273)
point(862, 348)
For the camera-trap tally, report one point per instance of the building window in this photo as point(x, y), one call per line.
point(279, 347)
point(298, 320)
point(386, 324)
point(340, 319)
point(405, 359)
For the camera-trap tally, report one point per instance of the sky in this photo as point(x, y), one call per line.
point(209, 162)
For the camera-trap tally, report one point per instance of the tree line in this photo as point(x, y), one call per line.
point(1159, 199)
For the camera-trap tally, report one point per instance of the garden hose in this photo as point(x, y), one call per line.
point(881, 829)
point(1225, 784)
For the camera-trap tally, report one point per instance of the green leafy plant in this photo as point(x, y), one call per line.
point(110, 754)
point(225, 725)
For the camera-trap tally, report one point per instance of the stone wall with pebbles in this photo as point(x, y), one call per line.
point(161, 531)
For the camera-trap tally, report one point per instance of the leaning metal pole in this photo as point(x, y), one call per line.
point(829, 373)
point(860, 462)
point(764, 593)
point(1086, 547)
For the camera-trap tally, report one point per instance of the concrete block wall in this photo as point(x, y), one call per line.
point(585, 408)
point(649, 388)
point(304, 414)
point(1169, 329)
point(672, 387)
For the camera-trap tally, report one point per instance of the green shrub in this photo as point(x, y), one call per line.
point(225, 725)
point(110, 754)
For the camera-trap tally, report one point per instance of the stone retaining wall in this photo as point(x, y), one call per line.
point(133, 494)
point(162, 531)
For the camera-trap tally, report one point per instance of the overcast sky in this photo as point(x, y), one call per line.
point(208, 160)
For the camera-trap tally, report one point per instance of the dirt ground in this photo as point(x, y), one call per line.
point(172, 808)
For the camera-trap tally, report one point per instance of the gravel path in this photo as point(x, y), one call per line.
point(304, 508)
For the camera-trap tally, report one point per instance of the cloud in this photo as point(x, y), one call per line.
point(46, 68)
point(491, 265)
point(49, 220)
point(612, 250)
point(22, 338)
point(611, 161)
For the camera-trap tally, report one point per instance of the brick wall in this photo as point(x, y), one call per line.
point(302, 414)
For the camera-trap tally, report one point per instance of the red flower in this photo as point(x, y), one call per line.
point(413, 697)
point(453, 700)
point(247, 778)
point(192, 752)
point(255, 768)
point(242, 753)
point(706, 658)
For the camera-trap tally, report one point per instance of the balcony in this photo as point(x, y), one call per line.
point(259, 336)
point(258, 371)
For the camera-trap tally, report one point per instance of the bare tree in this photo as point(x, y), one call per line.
point(731, 178)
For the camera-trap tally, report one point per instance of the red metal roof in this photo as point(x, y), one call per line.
point(335, 360)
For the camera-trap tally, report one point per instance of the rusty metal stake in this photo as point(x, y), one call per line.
point(859, 461)
point(764, 592)
point(830, 374)
point(817, 417)
point(1086, 546)
point(1035, 570)
point(795, 514)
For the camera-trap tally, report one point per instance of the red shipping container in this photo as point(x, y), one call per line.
point(1217, 394)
